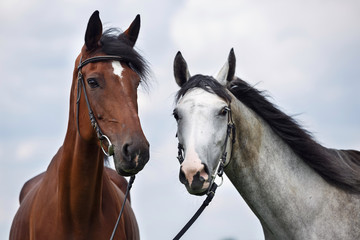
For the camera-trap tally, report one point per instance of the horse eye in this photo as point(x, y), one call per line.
point(224, 111)
point(93, 83)
point(176, 115)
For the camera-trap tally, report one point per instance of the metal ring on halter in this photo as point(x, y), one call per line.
point(110, 151)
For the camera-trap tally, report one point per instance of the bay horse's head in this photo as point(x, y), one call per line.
point(107, 74)
point(203, 115)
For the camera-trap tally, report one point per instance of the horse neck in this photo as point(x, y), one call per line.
point(271, 178)
point(81, 167)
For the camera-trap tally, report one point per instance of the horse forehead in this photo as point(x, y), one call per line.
point(117, 68)
point(200, 98)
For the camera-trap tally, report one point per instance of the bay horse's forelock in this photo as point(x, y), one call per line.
point(77, 197)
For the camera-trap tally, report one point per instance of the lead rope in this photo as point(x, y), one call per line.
point(131, 181)
point(210, 196)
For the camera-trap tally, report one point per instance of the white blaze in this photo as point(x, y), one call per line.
point(118, 69)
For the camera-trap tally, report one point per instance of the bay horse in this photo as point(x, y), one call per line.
point(77, 197)
point(297, 188)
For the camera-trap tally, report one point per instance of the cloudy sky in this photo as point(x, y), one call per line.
point(306, 54)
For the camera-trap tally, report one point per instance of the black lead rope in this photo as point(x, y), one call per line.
point(210, 196)
point(131, 181)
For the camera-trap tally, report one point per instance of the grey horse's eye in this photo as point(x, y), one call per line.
point(176, 115)
point(224, 111)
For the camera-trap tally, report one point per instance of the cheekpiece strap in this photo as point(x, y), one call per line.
point(81, 84)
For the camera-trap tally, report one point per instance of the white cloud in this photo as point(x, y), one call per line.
point(26, 150)
point(34, 148)
point(281, 43)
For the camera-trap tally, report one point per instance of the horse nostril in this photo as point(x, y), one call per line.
point(126, 151)
point(136, 151)
point(206, 169)
point(182, 177)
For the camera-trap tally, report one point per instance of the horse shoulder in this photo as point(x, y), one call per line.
point(20, 228)
point(30, 185)
point(119, 181)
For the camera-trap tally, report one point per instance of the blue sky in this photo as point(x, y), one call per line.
point(306, 54)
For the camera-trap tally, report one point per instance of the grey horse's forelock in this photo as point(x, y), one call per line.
point(206, 83)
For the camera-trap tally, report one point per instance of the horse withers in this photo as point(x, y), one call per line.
point(77, 197)
point(297, 188)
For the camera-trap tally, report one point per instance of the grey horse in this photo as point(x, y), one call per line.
point(297, 188)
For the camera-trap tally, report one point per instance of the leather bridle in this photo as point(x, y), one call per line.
point(218, 172)
point(101, 136)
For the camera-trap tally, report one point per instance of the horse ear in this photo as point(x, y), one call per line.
point(227, 72)
point(93, 32)
point(132, 33)
point(181, 71)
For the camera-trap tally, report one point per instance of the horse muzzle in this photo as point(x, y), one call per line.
point(131, 157)
point(196, 180)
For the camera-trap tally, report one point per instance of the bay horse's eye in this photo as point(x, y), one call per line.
point(93, 83)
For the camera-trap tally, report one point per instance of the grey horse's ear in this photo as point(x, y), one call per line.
point(227, 72)
point(181, 71)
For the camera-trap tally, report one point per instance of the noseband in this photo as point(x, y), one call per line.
point(218, 172)
point(81, 84)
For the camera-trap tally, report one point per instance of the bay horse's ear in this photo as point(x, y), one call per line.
point(227, 72)
point(93, 32)
point(132, 33)
point(181, 71)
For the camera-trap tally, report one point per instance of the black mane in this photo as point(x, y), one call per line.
point(112, 44)
point(207, 83)
point(338, 167)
